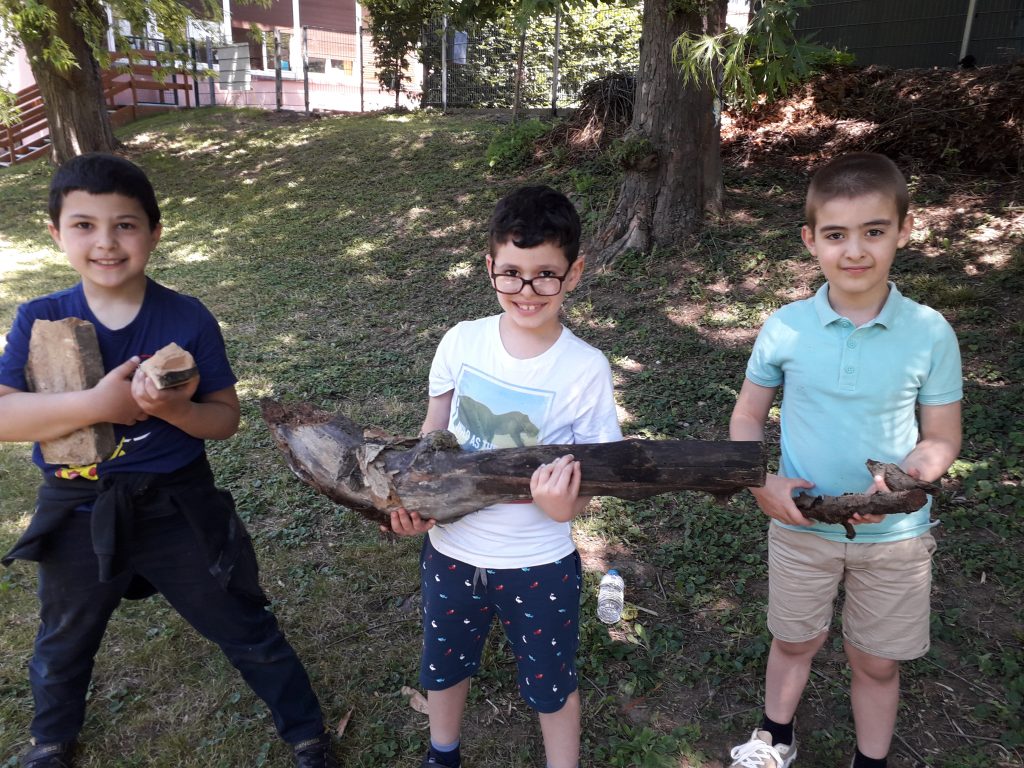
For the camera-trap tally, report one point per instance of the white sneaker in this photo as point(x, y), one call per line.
point(759, 753)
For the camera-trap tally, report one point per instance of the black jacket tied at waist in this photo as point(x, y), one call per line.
point(118, 500)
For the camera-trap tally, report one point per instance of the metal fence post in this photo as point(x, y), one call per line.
point(969, 21)
point(423, 64)
point(444, 64)
point(278, 90)
point(209, 64)
point(174, 76)
point(359, 31)
point(305, 65)
point(554, 61)
point(194, 52)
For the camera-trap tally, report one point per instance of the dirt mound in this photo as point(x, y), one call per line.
point(939, 119)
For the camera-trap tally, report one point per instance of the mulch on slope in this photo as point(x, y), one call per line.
point(937, 119)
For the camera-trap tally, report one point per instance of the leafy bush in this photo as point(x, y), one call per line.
point(512, 147)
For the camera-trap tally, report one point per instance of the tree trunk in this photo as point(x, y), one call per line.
point(675, 173)
point(73, 99)
point(517, 99)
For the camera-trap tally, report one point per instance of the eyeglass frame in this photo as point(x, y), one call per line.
point(561, 283)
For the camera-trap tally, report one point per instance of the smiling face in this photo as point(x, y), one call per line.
point(855, 241)
point(528, 314)
point(107, 240)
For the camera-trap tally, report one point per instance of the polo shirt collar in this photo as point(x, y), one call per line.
point(886, 318)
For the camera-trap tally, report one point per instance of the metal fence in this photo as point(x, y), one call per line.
point(475, 65)
point(919, 33)
point(317, 70)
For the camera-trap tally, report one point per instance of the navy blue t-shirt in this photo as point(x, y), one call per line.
point(152, 445)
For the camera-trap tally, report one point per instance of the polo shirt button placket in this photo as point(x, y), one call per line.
point(850, 358)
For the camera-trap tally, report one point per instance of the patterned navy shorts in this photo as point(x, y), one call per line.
point(538, 607)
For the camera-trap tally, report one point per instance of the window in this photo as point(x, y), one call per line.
point(342, 65)
point(286, 40)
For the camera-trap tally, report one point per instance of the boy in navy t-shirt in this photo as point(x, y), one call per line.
point(148, 518)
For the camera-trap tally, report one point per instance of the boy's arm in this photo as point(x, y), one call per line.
point(555, 487)
point(439, 411)
point(404, 522)
point(939, 445)
point(747, 423)
point(38, 417)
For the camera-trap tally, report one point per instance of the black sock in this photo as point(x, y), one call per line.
point(860, 760)
point(781, 734)
point(450, 758)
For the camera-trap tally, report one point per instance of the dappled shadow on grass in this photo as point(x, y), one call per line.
point(336, 253)
point(20, 285)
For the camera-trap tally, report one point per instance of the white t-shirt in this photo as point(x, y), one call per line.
point(563, 395)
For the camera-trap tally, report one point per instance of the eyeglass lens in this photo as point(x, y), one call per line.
point(542, 286)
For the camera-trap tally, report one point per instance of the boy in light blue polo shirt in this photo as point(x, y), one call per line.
point(866, 374)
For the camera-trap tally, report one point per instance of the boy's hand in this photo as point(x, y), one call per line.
point(406, 523)
point(878, 486)
point(116, 404)
point(776, 499)
point(171, 404)
point(556, 486)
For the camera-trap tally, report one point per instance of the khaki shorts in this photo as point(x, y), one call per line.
point(888, 590)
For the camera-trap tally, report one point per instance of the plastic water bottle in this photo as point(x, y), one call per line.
point(610, 597)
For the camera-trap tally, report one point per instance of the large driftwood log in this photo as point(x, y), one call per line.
point(373, 473)
point(64, 356)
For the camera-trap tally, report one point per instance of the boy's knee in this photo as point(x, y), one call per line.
point(875, 667)
point(564, 706)
point(800, 647)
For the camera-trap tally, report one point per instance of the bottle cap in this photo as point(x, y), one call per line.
point(612, 572)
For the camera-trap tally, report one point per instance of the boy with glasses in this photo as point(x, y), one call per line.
point(518, 378)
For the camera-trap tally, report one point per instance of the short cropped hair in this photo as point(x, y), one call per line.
point(855, 175)
point(529, 216)
point(99, 173)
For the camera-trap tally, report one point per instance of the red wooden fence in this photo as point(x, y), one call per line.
point(146, 83)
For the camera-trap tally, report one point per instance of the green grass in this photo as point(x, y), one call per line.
point(336, 252)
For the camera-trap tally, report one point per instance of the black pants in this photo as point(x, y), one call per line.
point(75, 608)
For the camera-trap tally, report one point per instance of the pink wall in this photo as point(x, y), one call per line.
point(17, 75)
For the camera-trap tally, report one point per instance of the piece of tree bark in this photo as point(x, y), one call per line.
point(373, 473)
point(898, 480)
point(839, 509)
point(170, 366)
point(64, 356)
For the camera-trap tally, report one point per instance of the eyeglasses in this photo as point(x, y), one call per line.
point(547, 285)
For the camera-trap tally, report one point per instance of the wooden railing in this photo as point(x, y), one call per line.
point(30, 136)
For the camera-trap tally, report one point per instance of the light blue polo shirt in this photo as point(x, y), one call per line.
point(849, 394)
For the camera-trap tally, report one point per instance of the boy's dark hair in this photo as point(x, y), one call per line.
point(529, 216)
point(854, 175)
point(99, 173)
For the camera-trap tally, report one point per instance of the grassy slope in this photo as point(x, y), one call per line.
point(335, 252)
